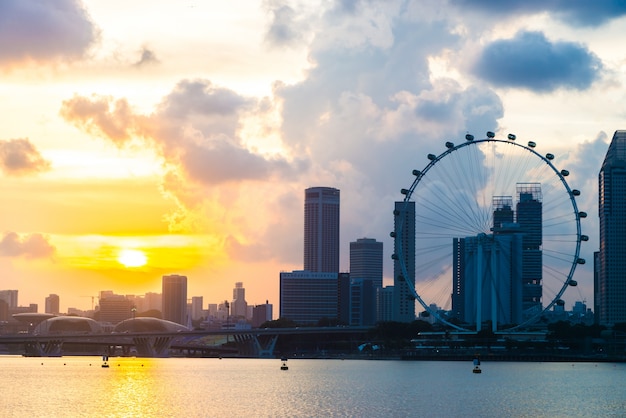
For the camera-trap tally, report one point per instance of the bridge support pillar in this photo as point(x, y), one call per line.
point(153, 346)
point(50, 348)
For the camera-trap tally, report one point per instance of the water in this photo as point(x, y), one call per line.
point(180, 387)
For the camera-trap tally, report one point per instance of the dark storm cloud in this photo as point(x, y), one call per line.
point(44, 30)
point(531, 61)
point(20, 157)
point(573, 12)
point(29, 246)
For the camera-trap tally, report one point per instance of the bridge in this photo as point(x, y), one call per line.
point(244, 343)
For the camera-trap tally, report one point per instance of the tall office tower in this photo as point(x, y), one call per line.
point(52, 304)
point(498, 276)
point(596, 287)
point(10, 297)
point(384, 304)
point(529, 219)
point(239, 306)
point(404, 242)
point(196, 307)
point(487, 275)
point(503, 211)
point(366, 260)
point(115, 308)
point(321, 230)
point(612, 212)
point(152, 301)
point(362, 302)
point(343, 298)
point(174, 298)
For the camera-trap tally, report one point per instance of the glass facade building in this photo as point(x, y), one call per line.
point(306, 297)
point(611, 259)
point(366, 260)
point(404, 243)
point(174, 298)
point(321, 229)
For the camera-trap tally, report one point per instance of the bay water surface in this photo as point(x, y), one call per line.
point(202, 387)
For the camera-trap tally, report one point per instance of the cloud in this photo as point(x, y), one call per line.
point(42, 30)
point(101, 115)
point(531, 61)
point(286, 27)
point(572, 12)
point(29, 246)
point(20, 157)
point(195, 128)
point(148, 57)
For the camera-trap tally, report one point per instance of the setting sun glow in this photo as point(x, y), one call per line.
point(132, 258)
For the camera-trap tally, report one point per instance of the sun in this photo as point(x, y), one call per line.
point(132, 258)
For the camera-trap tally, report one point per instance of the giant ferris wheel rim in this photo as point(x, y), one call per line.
point(547, 159)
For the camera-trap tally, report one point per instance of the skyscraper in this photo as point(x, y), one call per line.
point(52, 304)
point(366, 260)
point(321, 230)
point(239, 306)
point(175, 298)
point(404, 242)
point(487, 278)
point(530, 220)
point(197, 303)
point(612, 212)
point(366, 277)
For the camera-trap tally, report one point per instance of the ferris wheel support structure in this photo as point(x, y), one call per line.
point(453, 202)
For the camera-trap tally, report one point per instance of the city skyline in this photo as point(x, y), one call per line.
point(147, 139)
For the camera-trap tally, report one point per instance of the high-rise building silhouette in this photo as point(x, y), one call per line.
point(362, 302)
point(384, 304)
point(10, 297)
point(366, 276)
point(115, 308)
point(404, 244)
point(487, 278)
point(261, 314)
point(366, 260)
point(174, 298)
point(52, 304)
point(239, 306)
point(197, 303)
point(612, 212)
point(306, 297)
point(530, 219)
point(321, 229)
point(498, 276)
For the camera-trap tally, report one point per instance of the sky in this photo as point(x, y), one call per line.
point(145, 138)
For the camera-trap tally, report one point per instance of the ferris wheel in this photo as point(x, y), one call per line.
point(497, 234)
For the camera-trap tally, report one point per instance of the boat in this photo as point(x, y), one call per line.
point(476, 368)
